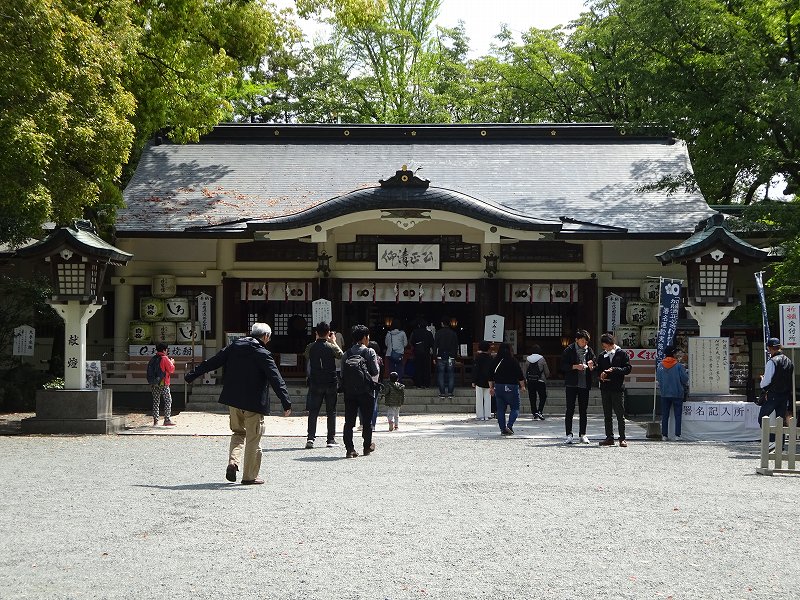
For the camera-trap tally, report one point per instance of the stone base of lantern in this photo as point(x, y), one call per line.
point(73, 411)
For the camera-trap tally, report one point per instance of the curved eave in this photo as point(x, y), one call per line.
point(704, 242)
point(431, 198)
point(83, 242)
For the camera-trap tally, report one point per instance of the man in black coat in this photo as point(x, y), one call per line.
point(249, 368)
point(613, 365)
point(577, 363)
point(323, 359)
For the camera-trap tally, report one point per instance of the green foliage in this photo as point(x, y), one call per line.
point(24, 303)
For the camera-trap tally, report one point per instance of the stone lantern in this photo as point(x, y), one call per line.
point(78, 260)
point(711, 256)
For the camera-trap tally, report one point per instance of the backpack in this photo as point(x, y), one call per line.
point(155, 375)
point(356, 380)
point(533, 372)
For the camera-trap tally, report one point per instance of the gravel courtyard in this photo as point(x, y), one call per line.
point(445, 508)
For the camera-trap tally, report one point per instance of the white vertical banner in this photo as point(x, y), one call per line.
point(790, 333)
point(24, 340)
point(613, 315)
point(493, 328)
point(204, 311)
point(321, 310)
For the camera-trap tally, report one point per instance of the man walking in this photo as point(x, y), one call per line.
point(249, 368)
point(422, 343)
point(359, 389)
point(577, 363)
point(613, 365)
point(322, 356)
point(776, 382)
point(446, 342)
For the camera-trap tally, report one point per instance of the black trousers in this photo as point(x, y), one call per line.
point(318, 393)
point(537, 388)
point(582, 396)
point(422, 369)
point(613, 400)
point(352, 406)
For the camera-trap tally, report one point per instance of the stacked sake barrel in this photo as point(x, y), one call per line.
point(641, 316)
point(163, 316)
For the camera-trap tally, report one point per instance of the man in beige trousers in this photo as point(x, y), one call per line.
point(249, 369)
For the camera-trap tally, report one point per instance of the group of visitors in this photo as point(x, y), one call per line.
point(498, 381)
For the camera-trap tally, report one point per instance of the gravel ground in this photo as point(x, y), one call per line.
point(445, 508)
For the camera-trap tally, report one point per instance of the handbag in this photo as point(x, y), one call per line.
point(394, 355)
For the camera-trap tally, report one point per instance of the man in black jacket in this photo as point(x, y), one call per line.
point(249, 368)
point(356, 401)
point(577, 363)
point(613, 365)
point(322, 356)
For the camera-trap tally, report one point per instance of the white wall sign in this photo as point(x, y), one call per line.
point(412, 257)
point(493, 328)
point(613, 316)
point(510, 337)
point(321, 310)
point(24, 340)
point(204, 312)
point(709, 365)
point(790, 333)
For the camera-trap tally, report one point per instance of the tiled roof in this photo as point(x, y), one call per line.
point(529, 175)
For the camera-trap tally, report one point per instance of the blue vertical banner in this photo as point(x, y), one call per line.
point(764, 321)
point(669, 304)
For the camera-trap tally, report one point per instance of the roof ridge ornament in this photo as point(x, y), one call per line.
point(405, 178)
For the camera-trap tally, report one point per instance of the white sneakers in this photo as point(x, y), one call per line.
point(584, 439)
point(568, 439)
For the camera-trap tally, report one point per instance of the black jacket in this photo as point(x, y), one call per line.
point(421, 341)
point(482, 369)
point(569, 358)
point(621, 365)
point(249, 368)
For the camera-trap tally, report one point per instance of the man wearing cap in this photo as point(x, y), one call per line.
point(777, 383)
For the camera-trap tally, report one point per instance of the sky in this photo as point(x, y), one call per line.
point(483, 18)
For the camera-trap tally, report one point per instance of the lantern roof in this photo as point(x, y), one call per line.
point(712, 234)
point(81, 238)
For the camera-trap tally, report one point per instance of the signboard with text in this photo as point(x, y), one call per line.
point(321, 310)
point(174, 350)
point(24, 340)
point(709, 365)
point(411, 257)
point(204, 312)
point(493, 328)
point(790, 334)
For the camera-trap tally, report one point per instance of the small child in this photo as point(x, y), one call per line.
point(393, 396)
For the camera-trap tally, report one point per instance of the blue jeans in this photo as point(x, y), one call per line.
point(776, 402)
point(446, 368)
point(677, 409)
point(507, 394)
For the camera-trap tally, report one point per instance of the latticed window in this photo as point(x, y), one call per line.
point(70, 279)
point(543, 326)
point(276, 251)
point(713, 280)
point(541, 252)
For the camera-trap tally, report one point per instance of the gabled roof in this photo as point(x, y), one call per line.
point(524, 176)
point(711, 234)
point(80, 237)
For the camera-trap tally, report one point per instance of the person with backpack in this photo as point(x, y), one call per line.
point(249, 370)
point(322, 358)
point(536, 376)
point(359, 366)
point(159, 369)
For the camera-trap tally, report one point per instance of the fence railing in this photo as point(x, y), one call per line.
point(778, 456)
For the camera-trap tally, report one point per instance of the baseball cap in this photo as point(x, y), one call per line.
point(773, 342)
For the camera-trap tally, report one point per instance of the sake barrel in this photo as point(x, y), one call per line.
point(164, 331)
point(649, 290)
point(639, 313)
point(184, 332)
point(176, 309)
point(163, 286)
point(627, 336)
point(140, 333)
point(151, 309)
point(648, 336)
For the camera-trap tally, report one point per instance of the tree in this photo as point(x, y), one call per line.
point(85, 83)
point(64, 128)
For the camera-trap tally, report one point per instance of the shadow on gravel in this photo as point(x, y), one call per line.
point(321, 458)
point(299, 449)
point(193, 486)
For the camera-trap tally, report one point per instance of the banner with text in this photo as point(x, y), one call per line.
point(762, 297)
point(668, 308)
